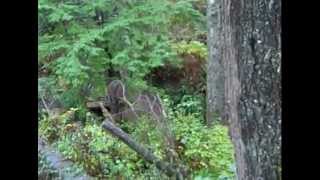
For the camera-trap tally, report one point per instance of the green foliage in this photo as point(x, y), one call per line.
point(81, 41)
point(78, 147)
point(48, 91)
point(52, 127)
point(190, 105)
point(193, 47)
point(48, 129)
point(133, 39)
point(101, 154)
point(205, 148)
point(149, 134)
point(186, 22)
point(207, 152)
point(47, 171)
point(184, 103)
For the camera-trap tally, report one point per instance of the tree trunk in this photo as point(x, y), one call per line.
point(215, 82)
point(250, 51)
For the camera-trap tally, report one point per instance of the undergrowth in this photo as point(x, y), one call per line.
point(207, 152)
point(85, 44)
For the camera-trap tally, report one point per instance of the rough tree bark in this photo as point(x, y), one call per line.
point(215, 78)
point(250, 51)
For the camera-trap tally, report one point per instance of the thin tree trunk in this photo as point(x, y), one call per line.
point(250, 49)
point(215, 82)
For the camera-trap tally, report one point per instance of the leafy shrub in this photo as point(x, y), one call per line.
point(52, 127)
point(49, 128)
point(190, 104)
point(204, 148)
point(47, 171)
point(104, 156)
point(147, 133)
point(99, 153)
point(193, 47)
point(77, 49)
point(48, 93)
point(207, 152)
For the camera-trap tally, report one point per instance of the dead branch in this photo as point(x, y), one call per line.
point(124, 99)
point(142, 151)
point(153, 108)
point(46, 106)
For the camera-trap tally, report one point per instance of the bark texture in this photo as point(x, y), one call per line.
point(251, 56)
point(215, 78)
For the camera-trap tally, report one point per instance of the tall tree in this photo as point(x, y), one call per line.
point(215, 79)
point(250, 50)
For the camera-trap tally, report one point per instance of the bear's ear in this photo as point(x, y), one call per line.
point(119, 90)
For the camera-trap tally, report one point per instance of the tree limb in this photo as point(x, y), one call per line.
point(46, 107)
point(142, 151)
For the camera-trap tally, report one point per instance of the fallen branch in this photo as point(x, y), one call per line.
point(142, 151)
point(46, 106)
point(93, 104)
point(171, 166)
point(124, 99)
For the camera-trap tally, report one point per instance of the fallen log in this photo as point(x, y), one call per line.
point(142, 105)
point(95, 107)
point(165, 167)
point(94, 104)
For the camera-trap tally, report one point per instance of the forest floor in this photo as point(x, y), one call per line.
point(58, 164)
